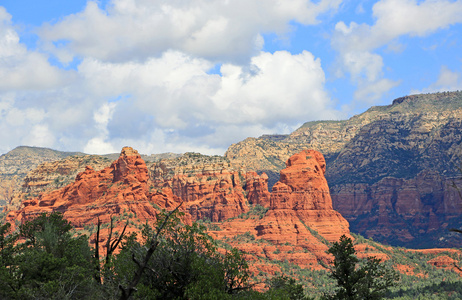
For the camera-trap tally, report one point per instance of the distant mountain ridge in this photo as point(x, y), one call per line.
point(15, 165)
point(330, 137)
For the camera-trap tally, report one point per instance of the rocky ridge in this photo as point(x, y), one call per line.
point(53, 175)
point(20, 180)
point(15, 165)
point(299, 208)
point(411, 147)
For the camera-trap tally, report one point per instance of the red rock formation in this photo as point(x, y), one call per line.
point(301, 201)
point(300, 221)
point(209, 186)
point(118, 190)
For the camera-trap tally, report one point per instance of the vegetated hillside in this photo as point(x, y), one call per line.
point(287, 232)
point(390, 169)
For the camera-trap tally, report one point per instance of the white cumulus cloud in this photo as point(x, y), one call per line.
point(356, 43)
point(213, 29)
point(176, 95)
point(23, 69)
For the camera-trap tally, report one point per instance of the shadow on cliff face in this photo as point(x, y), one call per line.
point(273, 177)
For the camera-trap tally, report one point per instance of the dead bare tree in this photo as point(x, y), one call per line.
point(127, 292)
point(111, 246)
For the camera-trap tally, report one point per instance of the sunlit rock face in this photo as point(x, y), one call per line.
point(300, 201)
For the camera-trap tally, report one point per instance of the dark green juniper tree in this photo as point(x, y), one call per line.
point(51, 263)
point(369, 279)
point(283, 287)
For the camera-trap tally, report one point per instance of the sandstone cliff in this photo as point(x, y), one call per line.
point(300, 221)
point(302, 196)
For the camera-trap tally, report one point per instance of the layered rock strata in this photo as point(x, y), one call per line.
point(210, 186)
point(300, 221)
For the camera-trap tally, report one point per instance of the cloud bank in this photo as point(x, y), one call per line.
point(144, 77)
point(176, 75)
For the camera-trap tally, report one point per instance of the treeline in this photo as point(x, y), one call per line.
point(45, 259)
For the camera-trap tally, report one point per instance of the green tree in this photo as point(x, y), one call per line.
point(186, 264)
point(50, 264)
point(53, 222)
point(283, 287)
point(8, 268)
point(369, 279)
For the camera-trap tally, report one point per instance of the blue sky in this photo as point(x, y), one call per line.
point(177, 76)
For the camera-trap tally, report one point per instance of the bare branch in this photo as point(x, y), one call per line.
point(115, 243)
point(108, 246)
point(127, 292)
point(98, 267)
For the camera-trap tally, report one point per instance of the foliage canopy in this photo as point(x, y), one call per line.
point(369, 279)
